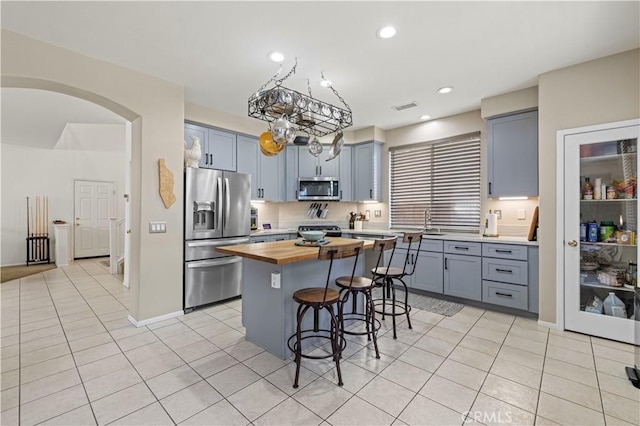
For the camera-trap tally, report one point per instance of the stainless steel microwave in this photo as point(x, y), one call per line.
point(318, 188)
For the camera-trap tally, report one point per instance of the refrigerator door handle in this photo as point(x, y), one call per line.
point(227, 202)
point(209, 263)
point(218, 209)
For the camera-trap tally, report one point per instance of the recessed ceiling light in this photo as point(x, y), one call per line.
point(325, 83)
point(425, 117)
point(445, 89)
point(276, 56)
point(386, 32)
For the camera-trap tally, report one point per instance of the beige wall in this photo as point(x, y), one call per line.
point(509, 102)
point(156, 109)
point(600, 91)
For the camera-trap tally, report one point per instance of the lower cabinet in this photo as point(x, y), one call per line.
point(429, 274)
point(463, 276)
point(268, 238)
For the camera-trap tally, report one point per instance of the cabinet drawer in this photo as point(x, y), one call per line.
point(463, 247)
point(505, 251)
point(513, 296)
point(509, 271)
point(431, 245)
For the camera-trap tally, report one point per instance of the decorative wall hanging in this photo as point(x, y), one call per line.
point(166, 184)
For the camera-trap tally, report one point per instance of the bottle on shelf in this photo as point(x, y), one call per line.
point(614, 307)
point(597, 189)
point(587, 189)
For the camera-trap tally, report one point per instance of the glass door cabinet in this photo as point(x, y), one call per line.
point(600, 244)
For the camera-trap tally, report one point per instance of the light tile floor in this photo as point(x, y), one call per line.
point(70, 357)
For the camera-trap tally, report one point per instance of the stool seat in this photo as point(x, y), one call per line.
point(315, 296)
point(391, 271)
point(357, 283)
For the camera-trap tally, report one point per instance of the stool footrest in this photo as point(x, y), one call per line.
point(320, 334)
point(400, 307)
point(351, 316)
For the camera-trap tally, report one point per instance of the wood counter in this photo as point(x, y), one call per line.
point(283, 252)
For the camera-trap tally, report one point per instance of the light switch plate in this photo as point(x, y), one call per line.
point(157, 227)
point(499, 213)
point(521, 214)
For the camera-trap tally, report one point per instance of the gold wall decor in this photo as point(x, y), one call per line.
point(166, 184)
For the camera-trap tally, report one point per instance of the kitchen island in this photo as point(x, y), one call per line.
point(271, 273)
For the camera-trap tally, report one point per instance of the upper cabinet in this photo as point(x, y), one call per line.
point(367, 171)
point(512, 155)
point(310, 166)
point(267, 173)
point(291, 173)
point(346, 173)
point(218, 147)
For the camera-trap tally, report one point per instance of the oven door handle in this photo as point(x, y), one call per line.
point(210, 263)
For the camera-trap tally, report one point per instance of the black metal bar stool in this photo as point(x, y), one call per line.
point(322, 298)
point(352, 286)
point(385, 276)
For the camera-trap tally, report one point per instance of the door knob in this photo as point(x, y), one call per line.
point(573, 243)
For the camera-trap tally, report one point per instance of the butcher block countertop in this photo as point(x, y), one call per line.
point(283, 252)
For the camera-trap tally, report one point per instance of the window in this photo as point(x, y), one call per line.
point(443, 176)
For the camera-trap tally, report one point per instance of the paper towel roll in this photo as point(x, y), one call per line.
point(491, 225)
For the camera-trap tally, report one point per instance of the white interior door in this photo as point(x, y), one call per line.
point(94, 205)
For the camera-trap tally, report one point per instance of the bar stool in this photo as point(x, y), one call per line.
point(322, 298)
point(385, 276)
point(352, 286)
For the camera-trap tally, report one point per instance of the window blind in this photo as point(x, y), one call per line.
point(443, 176)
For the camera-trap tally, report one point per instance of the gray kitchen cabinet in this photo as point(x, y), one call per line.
point(291, 173)
point(192, 131)
point(367, 171)
point(222, 150)
point(272, 237)
point(512, 155)
point(218, 147)
point(311, 166)
point(463, 272)
point(428, 273)
point(346, 173)
point(267, 173)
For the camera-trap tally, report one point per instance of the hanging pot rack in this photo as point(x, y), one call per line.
point(308, 114)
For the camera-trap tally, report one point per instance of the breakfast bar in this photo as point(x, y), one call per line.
point(271, 273)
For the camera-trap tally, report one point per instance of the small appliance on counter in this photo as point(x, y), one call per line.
point(490, 225)
point(254, 218)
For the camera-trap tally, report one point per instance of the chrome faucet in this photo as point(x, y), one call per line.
point(427, 222)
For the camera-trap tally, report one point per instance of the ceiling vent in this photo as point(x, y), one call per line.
point(405, 106)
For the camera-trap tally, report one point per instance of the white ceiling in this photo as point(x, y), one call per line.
point(218, 50)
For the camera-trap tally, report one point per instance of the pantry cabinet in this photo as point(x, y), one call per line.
point(512, 155)
point(267, 173)
point(600, 271)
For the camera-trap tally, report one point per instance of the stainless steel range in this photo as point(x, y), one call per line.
point(331, 230)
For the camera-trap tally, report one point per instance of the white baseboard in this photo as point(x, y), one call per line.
point(548, 324)
point(154, 319)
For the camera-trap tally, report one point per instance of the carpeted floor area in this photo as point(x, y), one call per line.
point(426, 303)
point(10, 273)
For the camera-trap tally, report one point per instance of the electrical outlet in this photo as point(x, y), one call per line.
point(521, 214)
point(377, 213)
point(499, 213)
point(275, 280)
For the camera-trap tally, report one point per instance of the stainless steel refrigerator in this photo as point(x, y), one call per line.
point(217, 213)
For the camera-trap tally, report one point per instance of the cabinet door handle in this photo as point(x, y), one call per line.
point(504, 251)
point(371, 193)
point(504, 271)
point(445, 263)
point(206, 159)
point(489, 188)
point(341, 194)
point(461, 248)
point(320, 170)
point(503, 294)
